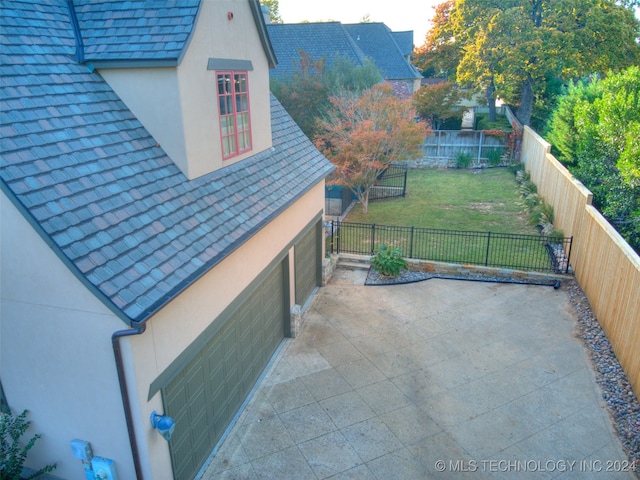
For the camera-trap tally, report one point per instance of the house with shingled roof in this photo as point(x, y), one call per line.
point(390, 51)
point(161, 217)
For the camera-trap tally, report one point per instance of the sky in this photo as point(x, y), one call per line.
point(398, 15)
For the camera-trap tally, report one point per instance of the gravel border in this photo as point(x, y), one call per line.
point(622, 404)
point(408, 276)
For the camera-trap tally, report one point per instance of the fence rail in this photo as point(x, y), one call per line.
point(538, 253)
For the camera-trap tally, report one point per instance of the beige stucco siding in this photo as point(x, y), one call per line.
point(178, 105)
point(56, 358)
point(176, 326)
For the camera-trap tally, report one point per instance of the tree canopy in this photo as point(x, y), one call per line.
point(515, 48)
point(306, 95)
point(274, 10)
point(364, 133)
point(440, 54)
point(437, 103)
point(595, 131)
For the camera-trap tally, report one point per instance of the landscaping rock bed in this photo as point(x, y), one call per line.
point(622, 403)
point(407, 276)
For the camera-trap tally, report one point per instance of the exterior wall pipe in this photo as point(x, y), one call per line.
point(137, 329)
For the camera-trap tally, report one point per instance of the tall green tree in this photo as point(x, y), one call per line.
point(440, 54)
point(274, 10)
point(514, 48)
point(364, 133)
point(595, 131)
point(306, 94)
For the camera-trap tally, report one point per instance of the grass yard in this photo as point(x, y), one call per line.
point(453, 200)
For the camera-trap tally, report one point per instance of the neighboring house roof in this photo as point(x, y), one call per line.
point(404, 41)
point(377, 42)
point(105, 197)
point(330, 39)
point(324, 39)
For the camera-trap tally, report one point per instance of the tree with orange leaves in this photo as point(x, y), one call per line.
point(363, 134)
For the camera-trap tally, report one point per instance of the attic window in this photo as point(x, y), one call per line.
point(235, 124)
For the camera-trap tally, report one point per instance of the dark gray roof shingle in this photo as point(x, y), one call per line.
point(376, 41)
point(330, 39)
point(135, 30)
point(324, 39)
point(404, 41)
point(103, 194)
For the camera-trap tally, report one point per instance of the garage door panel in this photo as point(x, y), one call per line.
point(306, 265)
point(207, 393)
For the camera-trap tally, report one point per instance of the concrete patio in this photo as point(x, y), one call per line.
point(437, 379)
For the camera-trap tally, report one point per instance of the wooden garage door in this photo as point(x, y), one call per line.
point(306, 265)
point(205, 396)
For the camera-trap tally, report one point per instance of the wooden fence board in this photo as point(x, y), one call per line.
point(606, 267)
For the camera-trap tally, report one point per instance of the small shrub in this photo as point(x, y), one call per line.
point(495, 157)
point(515, 168)
point(463, 160)
point(546, 213)
point(534, 217)
point(388, 261)
point(531, 201)
point(12, 453)
point(527, 187)
point(522, 175)
point(557, 236)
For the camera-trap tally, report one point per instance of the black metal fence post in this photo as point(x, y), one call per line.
point(486, 258)
point(333, 240)
point(373, 238)
point(404, 183)
point(411, 243)
point(566, 270)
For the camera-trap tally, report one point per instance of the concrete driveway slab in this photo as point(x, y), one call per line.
point(436, 379)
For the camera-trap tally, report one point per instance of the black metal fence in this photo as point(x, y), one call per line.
point(538, 253)
point(391, 183)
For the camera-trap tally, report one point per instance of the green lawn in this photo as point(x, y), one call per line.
point(483, 201)
point(452, 200)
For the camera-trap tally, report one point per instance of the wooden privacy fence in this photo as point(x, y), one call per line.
point(605, 266)
point(449, 143)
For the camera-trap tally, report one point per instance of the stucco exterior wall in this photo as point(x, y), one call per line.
point(175, 327)
point(179, 106)
point(56, 358)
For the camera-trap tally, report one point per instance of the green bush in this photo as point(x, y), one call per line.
point(388, 261)
point(12, 453)
point(463, 160)
point(495, 156)
point(534, 217)
point(532, 200)
point(527, 188)
point(546, 213)
point(557, 236)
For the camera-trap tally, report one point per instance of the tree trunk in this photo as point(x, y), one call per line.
point(491, 101)
point(526, 103)
point(365, 201)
